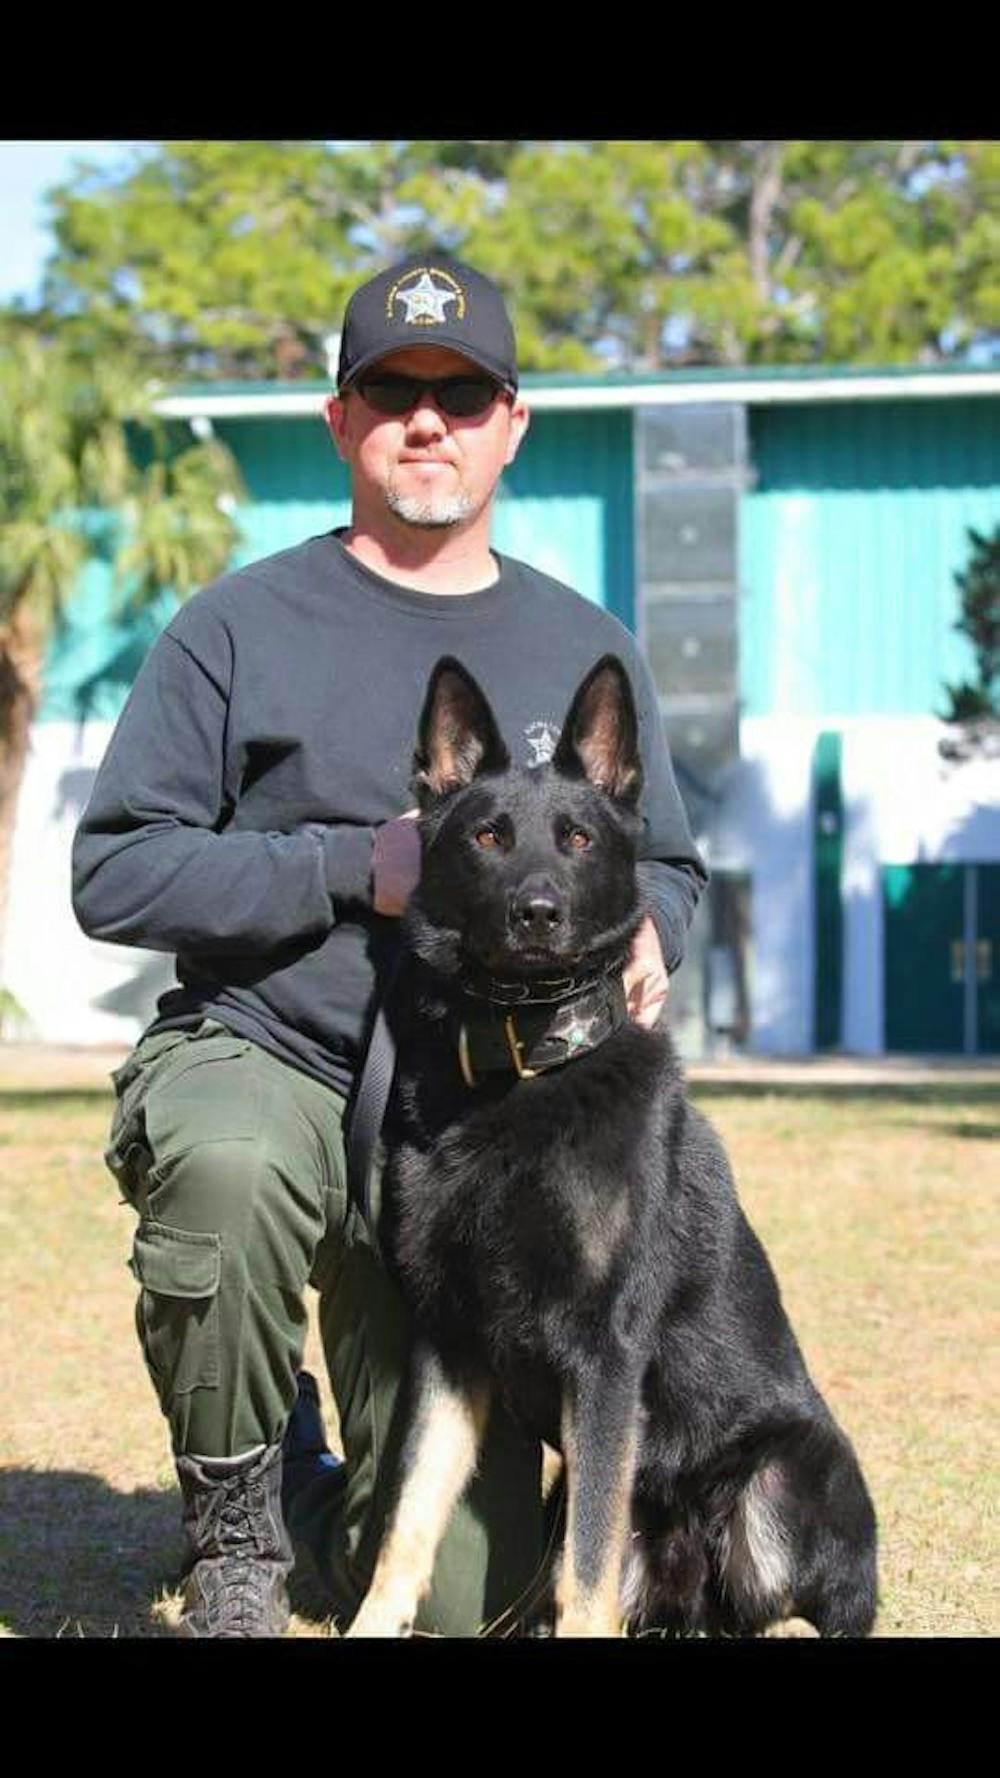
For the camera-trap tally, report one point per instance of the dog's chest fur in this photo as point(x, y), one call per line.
point(514, 1210)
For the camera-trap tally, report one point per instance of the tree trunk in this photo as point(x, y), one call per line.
point(22, 660)
point(763, 203)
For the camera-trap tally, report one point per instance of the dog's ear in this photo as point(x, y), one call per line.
point(457, 737)
point(600, 736)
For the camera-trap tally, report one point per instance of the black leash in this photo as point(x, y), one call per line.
point(520, 1027)
point(368, 1108)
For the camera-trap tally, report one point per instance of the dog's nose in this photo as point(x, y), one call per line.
point(535, 913)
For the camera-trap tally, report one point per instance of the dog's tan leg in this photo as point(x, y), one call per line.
point(438, 1460)
point(600, 1442)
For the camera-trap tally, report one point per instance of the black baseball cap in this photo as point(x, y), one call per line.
point(428, 301)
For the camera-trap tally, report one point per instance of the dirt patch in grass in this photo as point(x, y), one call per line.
point(877, 1206)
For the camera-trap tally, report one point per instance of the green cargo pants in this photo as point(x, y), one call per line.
point(234, 1162)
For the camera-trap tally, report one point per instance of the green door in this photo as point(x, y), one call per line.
point(988, 959)
point(924, 957)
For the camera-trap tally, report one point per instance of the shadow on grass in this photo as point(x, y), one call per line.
point(59, 1099)
point(882, 1092)
point(80, 1558)
point(981, 1132)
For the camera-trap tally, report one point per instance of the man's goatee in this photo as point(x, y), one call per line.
point(430, 513)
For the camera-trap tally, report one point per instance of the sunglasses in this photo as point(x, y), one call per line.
point(462, 397)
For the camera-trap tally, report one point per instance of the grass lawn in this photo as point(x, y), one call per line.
point(877, 1206)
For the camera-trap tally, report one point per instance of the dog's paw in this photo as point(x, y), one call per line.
point(165, 1612)
point(379, 1617)
point(589, 1621)
point(791, 1626)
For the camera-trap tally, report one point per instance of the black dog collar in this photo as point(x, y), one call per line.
point(530, 1035)
point(538, 990)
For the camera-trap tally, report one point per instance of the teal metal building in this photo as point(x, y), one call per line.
point(785, 546)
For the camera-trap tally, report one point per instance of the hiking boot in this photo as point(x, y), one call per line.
point(305, 1452)
point(240, 1554)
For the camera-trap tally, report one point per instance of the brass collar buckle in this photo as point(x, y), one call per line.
point(516, 1048)
point(514, 1044)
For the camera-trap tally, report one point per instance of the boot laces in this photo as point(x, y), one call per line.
point(242, 1532)
point(239, 1559)
point(240, 1522)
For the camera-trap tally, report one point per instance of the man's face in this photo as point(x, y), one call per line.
point(425, 467)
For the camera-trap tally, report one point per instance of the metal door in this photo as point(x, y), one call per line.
point(924, 957)
point(942, 958)
point(988, 959)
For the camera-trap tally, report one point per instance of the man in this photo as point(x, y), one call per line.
point(252, 815)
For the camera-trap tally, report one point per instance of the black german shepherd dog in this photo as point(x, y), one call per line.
point(565, 1227)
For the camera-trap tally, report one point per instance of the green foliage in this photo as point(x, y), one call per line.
point(66, 453)
point(979, 586)
point(219, 258)
point(39, 554)
point(180, 525)
point(235, 259)
point(83, 459)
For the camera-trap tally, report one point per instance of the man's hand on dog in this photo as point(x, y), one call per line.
point(646, 979)
point(396, 871)
point(395, 863)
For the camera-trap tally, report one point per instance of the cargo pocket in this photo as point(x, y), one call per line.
point(177, 1314)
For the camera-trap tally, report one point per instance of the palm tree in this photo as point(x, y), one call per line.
point(66, 429)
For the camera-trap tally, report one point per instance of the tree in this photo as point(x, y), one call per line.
point(235, 259)
point(217, 259)
point(72, 440)
point(974, 705)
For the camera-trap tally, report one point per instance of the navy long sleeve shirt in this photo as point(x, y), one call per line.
point(271, 729)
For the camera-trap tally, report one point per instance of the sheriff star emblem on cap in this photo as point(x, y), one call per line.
point(425, 301)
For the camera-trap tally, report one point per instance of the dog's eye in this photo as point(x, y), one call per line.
point(578, 840)
point(488, 838)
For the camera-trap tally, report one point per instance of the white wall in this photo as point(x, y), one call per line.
point(902, 804)
point(763, 828)
point(73, 989)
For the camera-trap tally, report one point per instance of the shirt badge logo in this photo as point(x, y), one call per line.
point(424, 299)
point(541, 738)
